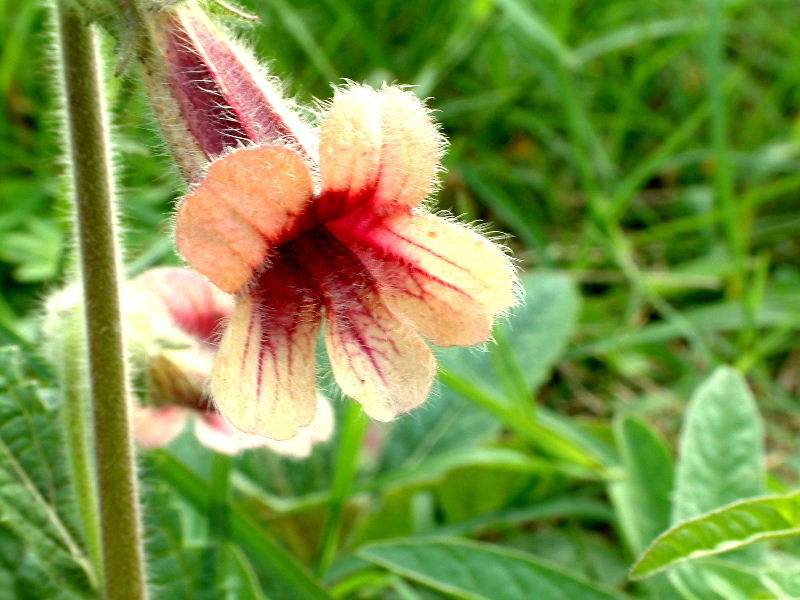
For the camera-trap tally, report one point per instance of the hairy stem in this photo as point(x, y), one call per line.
point(72, 379)
point(123, 562)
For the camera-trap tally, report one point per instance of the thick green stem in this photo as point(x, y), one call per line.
point(123, 561)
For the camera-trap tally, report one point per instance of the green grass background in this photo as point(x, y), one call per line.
point(648, 150)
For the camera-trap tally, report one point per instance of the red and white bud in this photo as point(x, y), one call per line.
point(211, 95)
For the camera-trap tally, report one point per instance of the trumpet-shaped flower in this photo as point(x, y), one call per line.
point(346, 240)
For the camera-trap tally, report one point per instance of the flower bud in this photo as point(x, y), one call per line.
point(210, 94)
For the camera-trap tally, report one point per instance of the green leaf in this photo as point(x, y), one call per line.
point(536, 333)
point(737, 525)
point(36, 252)
point(35, 502)
point(539, 330)
point(283, 577)
point(721, 461)
point(478, 571)
point(722, 450)
point(529, 344)
point(537, 30)
point(634, 34)
point(642, 496)
point(752, 583)
point(447, 423)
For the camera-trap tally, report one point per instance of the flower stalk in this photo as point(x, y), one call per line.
point(123, 557)
point(66, 346)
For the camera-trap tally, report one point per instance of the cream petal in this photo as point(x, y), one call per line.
point(319, 430)
point(216, 433)
point(445, 278)
point(378, 147)
point(377, 359)
point(263, 380)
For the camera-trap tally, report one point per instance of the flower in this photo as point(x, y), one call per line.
point(345, 238)
point(174, 316)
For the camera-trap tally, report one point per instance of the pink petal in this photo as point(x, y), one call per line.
point(195, 306)
point(216, 433)
point(263, 379)
point(377, 146)
point(155, 426)
point(250, 201)
point(446, 279)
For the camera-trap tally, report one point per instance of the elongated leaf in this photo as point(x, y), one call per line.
point(480, 571)
point(774, 311)
point(539, 330)
point(447, 423)
point(722, 449)
point(634, 34)
point(535, 29)
point(721, 461)
point(34, 491)
point(734, 526)
point(642, 496)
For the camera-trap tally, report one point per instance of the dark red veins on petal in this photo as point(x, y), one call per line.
point(324, 271)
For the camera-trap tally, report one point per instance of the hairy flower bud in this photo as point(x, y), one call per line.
point(210, 94)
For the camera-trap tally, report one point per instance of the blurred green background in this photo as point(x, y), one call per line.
point(649, 148)
point(649, 152)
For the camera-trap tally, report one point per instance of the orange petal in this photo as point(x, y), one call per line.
point(249, 201)
point(263, 379)
point(448, 280)
point(377, 359)
point(377, 146)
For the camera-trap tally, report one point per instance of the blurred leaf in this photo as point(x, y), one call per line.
point(480, 571)
point(723, 316)
point(737, 525)
point(634, 34)
point(447, 422)
point(283, 578)
point(522, 16)
point(733, 581)
point(529, 344)
point(470, 492)
point(538, 330)
point(34, 489)
point(642, 496)
point(436, 467)
point(721, 456)
point(36, 251)
point(568, 507)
